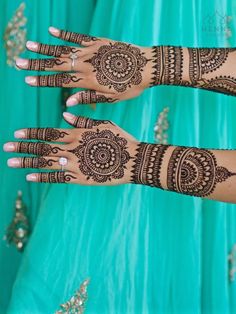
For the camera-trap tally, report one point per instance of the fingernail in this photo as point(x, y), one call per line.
point(71, 101)
point(30, 80)
point(22, 63)
point(9, 147)
point(32, 45)
point(68, 116)
point(19, 134)
point(31, 177)
point(54, 30)
point(13, 162)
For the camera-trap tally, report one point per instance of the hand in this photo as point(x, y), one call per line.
point(110, 71)
point(95, 152)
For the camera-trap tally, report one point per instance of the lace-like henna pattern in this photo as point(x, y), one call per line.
point(194, 172)
point(168, 65)
point(158, 59)
point(102, 155)
point(45, 134)
point(221, 84)
point(91, 97)
point(76, 38)
point(57, 80)
point(42, 64)
point(118, 66)
point(41, 149)
point(55, 50)
point(55, 177)
point(203, 61)
point(36, 162)
point(147, 165)
point(86, 123)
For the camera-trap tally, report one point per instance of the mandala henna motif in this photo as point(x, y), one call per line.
point(76, 38)
point(91, 97)
point(194, 172)
point(203, 61)
point(102, 155)
point(40, 148)
point(57, 80)
point(147, 164)
point(56, 51)
point(36, 162)
point(55, 177)
point(43, 64)
point(45, 134)
point(118, 65)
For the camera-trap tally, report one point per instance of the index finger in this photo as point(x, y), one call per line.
point(77, 38)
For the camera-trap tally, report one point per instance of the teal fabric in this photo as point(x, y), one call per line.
point(144, 250)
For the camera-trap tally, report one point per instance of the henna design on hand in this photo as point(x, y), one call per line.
point(195, 172)
point(91, 97)
point(57, 80)
point(56, 51)
point(147, 164)
point(40, 148)
point(36, 162)
point(118, 65)
point(102, 155)
point(87, 123)
point(76, 38)
point(42, 64)
point(55, 177)
point(168, 65)
point(45, 134)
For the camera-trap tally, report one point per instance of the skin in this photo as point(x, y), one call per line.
point(223, 190)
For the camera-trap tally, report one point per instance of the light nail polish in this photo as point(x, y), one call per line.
point(13, 162)
point(54, 30)
point(31, 177)
point(22, 63)
point(9, 147)
point(68, 116)
point(19, 134)
point(71, 102)
point(31, 45)
point(30, 80)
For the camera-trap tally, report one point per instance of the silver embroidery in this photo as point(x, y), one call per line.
point(232, 263)
point(76, 304)
point(162, 126)
point(15, 35)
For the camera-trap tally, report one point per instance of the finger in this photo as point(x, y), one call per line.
point(53, 50)
point(82, 122)
point(40, 148)
point(64, 65)
point(45, 134)
point(88, 97)
point(34, 162)
point(80, 39)
point(52, 177)
point(58, 80)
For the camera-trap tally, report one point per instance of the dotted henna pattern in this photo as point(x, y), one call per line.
point(194, 171)
point(118, 65)
point(102, 155)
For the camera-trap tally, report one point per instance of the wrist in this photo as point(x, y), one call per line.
point(147, 164)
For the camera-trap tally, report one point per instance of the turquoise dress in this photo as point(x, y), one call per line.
point(144, 250)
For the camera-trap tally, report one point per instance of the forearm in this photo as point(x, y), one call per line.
point(187, 170)
point(208, 68)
